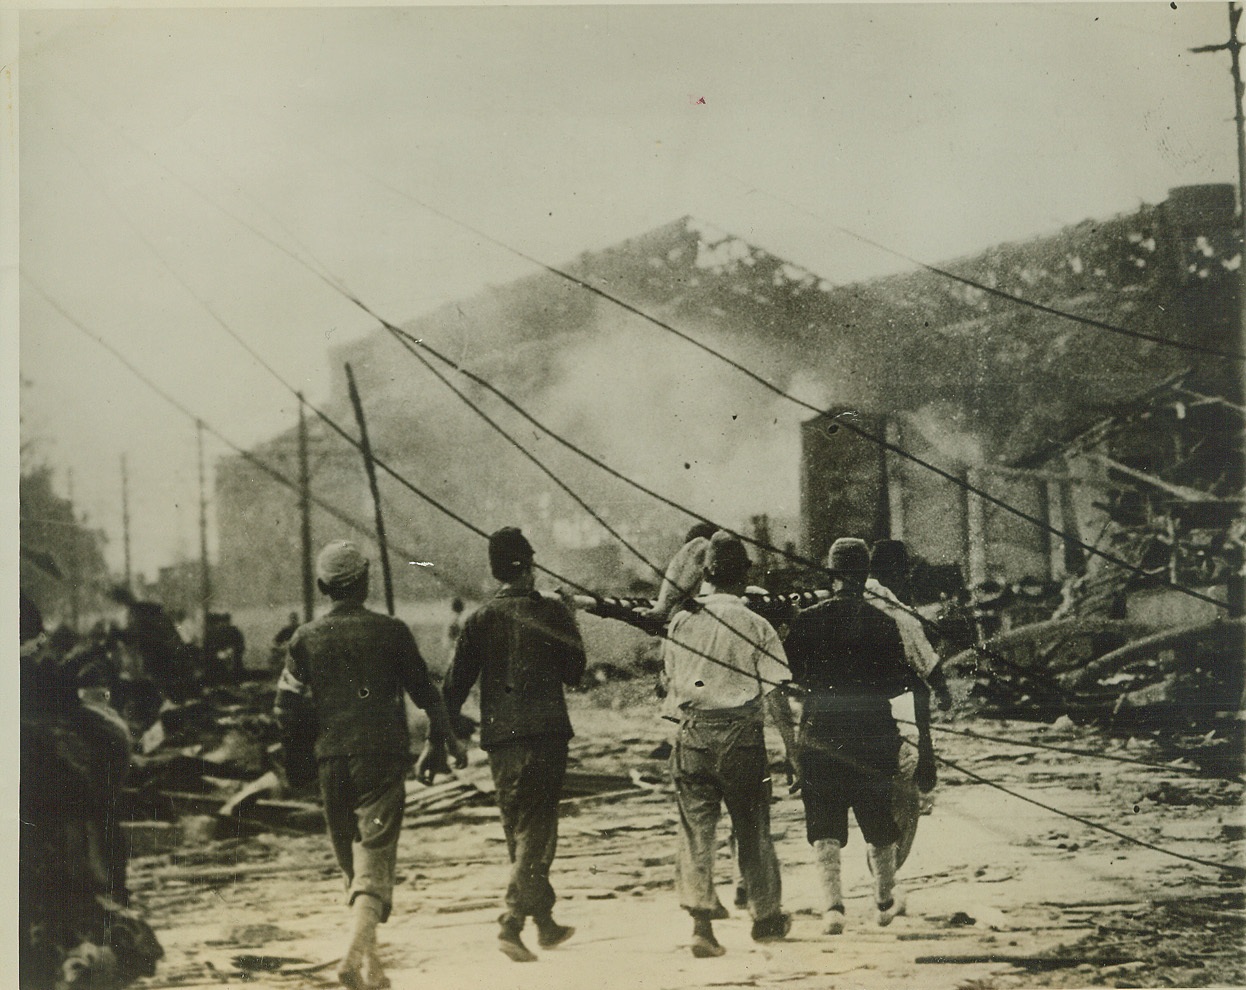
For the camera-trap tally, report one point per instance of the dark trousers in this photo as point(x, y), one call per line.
point(528, 775)
point(364, 801)
point(720, 758)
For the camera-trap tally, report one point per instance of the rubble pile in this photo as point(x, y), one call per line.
point(211, 769)
point(1118, 673)
point(76, 925)
point(1157, 643)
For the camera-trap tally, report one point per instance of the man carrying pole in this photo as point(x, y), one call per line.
point(523, 649)
point(849, 657)
point(720, 681)
point(345, 674)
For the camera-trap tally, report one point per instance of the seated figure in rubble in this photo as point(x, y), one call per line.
point(75, 928)
point(224, 648)
point(341, 690)
point(167, 660)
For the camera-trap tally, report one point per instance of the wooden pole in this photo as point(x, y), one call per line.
point(370, 467)
point(74, 558)
point(204, 573)
point(125, 519)
point(309, 601)
point(1234, 47)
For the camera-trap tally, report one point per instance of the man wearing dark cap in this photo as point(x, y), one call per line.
point(723, 666)
point(347, 670)
point(523, 648)
point(849, 657)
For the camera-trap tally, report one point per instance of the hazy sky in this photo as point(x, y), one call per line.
point(154, 144)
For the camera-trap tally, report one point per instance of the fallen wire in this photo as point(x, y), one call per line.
point(1093, 754)
point(1232, 869)
point(766, 383)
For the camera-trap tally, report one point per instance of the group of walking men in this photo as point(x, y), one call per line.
point(724, 669)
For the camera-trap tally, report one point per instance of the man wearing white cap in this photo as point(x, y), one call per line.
point(348, 670)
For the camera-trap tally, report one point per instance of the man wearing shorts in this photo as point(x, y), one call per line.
point(849, 657)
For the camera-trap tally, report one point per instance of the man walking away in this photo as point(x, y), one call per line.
point(524, 649)
point(347, 671)
point(849, 657)
point(720, 680)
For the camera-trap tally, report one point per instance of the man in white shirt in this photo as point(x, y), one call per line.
point(887, 588)
point(723, 665)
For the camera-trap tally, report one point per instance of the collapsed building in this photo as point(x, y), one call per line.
point(983, 388)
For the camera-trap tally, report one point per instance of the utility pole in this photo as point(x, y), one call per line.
point(125, 518)
point(370, 467)
point(74, 558)
point(203, 531)
point(1234, 47)
point(305, 516)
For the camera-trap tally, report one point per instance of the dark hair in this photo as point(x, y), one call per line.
point(727, 561)
point(456, 605)
point(121, 594)
point(510, 554)
point(887, 556)
point(510, 570)
point(701, 529)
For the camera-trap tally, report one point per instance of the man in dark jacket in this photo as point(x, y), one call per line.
point(224, 648)
point(347, 671)
point(523, 648)
point(849, 657)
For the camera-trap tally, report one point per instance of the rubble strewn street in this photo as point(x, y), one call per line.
point(526, 484)
point(1001, 894)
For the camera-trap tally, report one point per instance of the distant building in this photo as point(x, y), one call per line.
point(178, 587)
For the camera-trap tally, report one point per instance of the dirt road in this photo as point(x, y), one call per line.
point(1000, 893)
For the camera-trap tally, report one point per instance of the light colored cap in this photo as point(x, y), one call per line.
point(340, 562)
